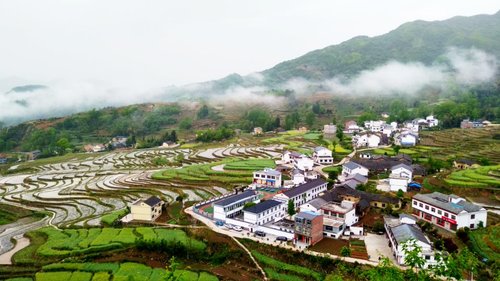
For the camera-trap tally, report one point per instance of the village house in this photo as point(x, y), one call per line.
point(401, 231)
point(329, 129)
point(383, 163)
point(367, 140)
point(352, 168)
point(374, 126)
point(232, 205)
point(33, 155)
point(448, 211)
point(303, 163)
point(118, 142)
point(303, 193)
point(267, 177)
point(465, 164)
point(146, 210)
point(257, 131)
point(432, 121)
point(265, 212)
point(351, 127)
point(289, 156)
point(406, 139)
point(94, 148)
point(298, 177)
point(322, 156)
point(401, 175)
point(468, 124)
point(308, 228)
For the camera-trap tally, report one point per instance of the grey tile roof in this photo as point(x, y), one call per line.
point(263, 206)
point(269, 171)
point(304, 188)
point(405, 232)
point(359, 178)
point(152, 201)
point(352, 165)
point(440, 200)
point(351, 183)
point(319, 148)
point(234, 198)
point(317, 202)
point(307, 215)
point(402, 165)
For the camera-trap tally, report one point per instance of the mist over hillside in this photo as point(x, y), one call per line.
point(459, 52)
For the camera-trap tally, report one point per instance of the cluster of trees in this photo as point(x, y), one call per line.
point(219, 134)
point(259, 118)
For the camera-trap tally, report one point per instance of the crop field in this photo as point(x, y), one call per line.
point(113, 271)
point(486, 176)
point(75, 242)
point(486, 242)
point(86, 190)
point(281, 270)
point(464, 143)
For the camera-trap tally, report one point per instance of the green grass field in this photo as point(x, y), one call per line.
point(72, 242)
point(486, 242)
point(285, 269)
point(479, 177)
point(114, 271)
point(250, 164)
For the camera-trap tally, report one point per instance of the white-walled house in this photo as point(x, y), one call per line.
point(351, 127)
point(401, 175)
point(303, 163)
point(265, 212)
point(400, 233)
point(352, 168)
point(289, 156)
point(329, 129)
point(298, 177)
point(406, 139)
point(267, 177)
point(374, 126)
point(303, 193)
point(367, 140)
point(432, 121)
point(146, 210)
point(233, 204)
point(322, 156)
point(448, 211)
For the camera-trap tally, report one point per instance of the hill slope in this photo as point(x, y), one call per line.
point(420, 41)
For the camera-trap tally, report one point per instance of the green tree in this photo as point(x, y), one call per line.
point(345, 251)
point(333, 175)
point(396, 149)
point(186, 124)
point(62, 145)
point(400, 193)
point(385, 271)
point(310, 118)
point(340, 132)
point(291, 208)
point(413, 255)
point(203, 112)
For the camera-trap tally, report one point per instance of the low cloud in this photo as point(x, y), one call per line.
point(459, 66)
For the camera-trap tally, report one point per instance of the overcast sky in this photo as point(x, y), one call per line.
point(160, 43)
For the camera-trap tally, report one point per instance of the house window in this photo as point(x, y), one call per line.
point(446, 215)
point(439, 212)
point(383, 205)
point(427, 257)
point(472, 217)
point(421, 205)
point(427, 207)
point(428, 217)
point(433, 209)
point(453, 217)
point(471, 226)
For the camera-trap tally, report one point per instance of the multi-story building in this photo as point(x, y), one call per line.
point(232, 205)
point(352, 168)
point(322, 156)
point(448, 211)
point(303, 163)
point(374, 126)
point(303, 193)
point(401, 232)
point(267, 177)
point(264, 212)
point(401, 175)
point(146, 210)
point(308, 228)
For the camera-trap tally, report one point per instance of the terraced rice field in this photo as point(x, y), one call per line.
point(486, 176)
point(464, 143)
point(86, 187)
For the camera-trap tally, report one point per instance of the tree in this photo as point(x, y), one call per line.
point(400, 193)
point(249, 204)
point(378, 226)
point(310, 118)
point(396, 149)
point(413, 255)
point(277, 122)
point(345, 251)
point(203, 112)
point(291, 208)
point(333, 175)
point(186, 124)
point(316, 108)
point(173, 136)
point(340, 132)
